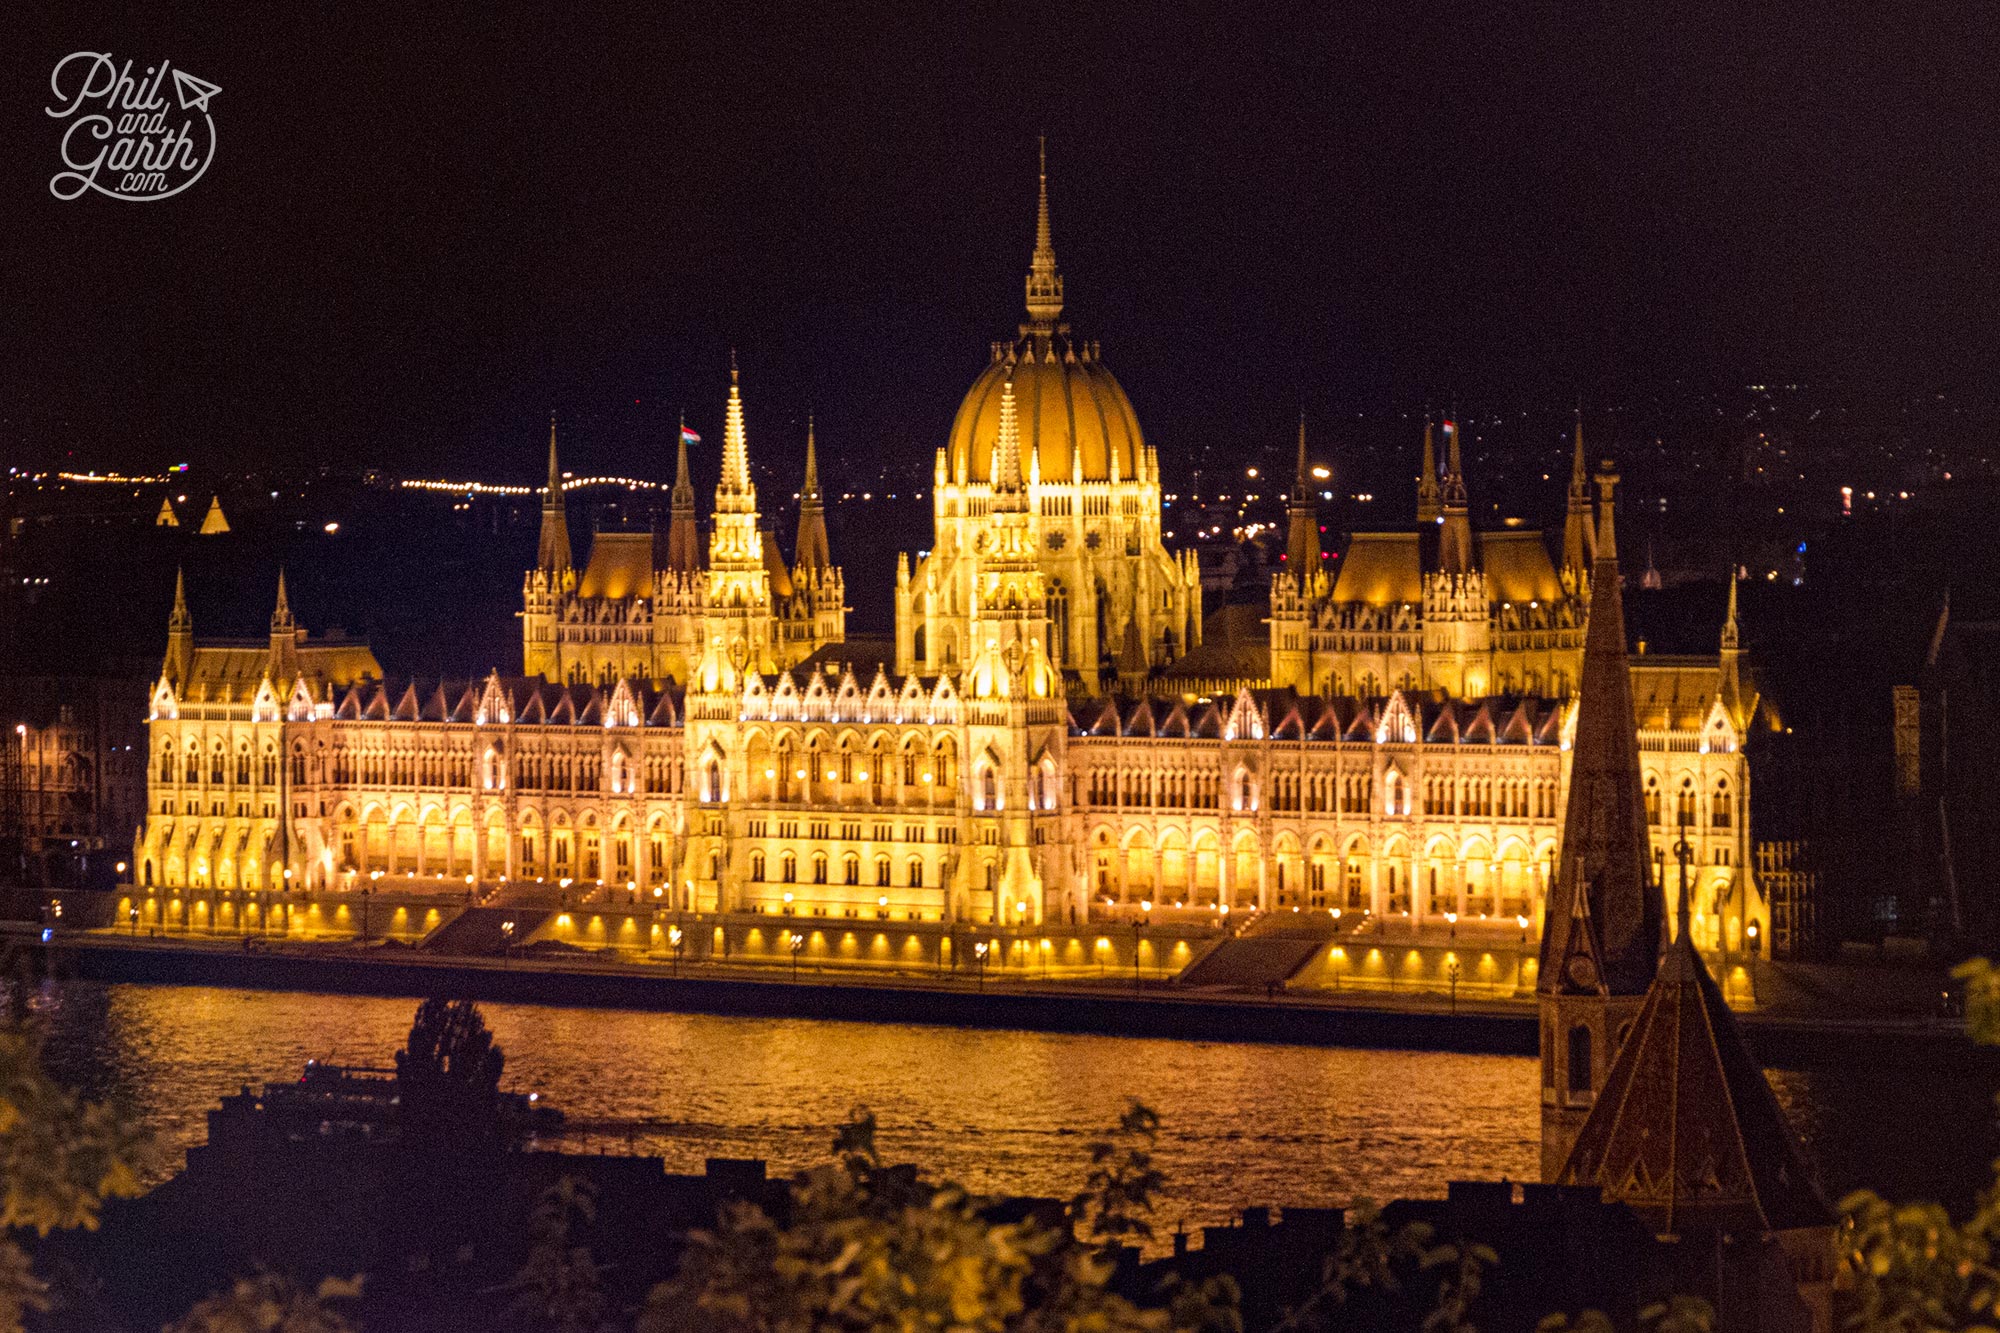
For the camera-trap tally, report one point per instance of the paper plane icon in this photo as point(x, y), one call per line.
point(193, 92)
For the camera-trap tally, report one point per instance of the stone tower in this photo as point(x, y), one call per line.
point(1604, 923)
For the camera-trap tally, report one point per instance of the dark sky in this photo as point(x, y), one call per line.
point(421, 235)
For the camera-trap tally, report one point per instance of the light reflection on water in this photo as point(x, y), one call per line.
point(1001, 1111)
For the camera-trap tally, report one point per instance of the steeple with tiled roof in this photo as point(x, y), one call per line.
point(553, 552)
point(1686, 1132)
point(1603, 923)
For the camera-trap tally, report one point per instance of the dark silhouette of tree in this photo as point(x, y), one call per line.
point(448, 1080)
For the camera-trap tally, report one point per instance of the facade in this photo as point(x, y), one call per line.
point(72, 784)
point(699, 732)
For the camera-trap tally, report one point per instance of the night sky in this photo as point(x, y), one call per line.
point(420, 236)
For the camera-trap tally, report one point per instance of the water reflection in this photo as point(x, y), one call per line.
point(1243, 1124)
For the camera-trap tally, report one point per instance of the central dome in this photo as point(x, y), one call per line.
point(1074, 416)
point(1076, 422)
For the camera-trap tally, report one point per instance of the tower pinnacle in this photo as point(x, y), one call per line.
point(683, 543)
point(553, 552)
point(734, 493)
point(281, 615)
point(811, 551)
point(1045, 285)
point(1302, 552)
point(1427, 481)
point(1579, 535)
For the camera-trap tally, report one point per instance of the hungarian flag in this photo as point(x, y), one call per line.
point(690, 436)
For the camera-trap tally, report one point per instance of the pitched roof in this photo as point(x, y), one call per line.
point(621, 566)
point(1686, 1131)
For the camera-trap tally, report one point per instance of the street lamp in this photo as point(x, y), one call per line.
point(677, 938)
point(1451, 918)
point(798, 947)
point(979, 952)
point(1451, 970)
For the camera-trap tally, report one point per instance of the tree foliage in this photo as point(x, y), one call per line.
point(270, 1303)
point(869, 1246)
point(61, 1157)
point(448, 1078)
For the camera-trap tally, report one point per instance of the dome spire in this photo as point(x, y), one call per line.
point(1045, 285)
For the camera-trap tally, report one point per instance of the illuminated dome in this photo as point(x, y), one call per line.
point(1074, 416)
point(1070, 408)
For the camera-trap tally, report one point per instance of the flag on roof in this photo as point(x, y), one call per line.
point(690, 436)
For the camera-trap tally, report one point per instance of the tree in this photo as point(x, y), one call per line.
point(560, 1287)
point(60, 1158)
point(269, 1303)
point(448, 1079)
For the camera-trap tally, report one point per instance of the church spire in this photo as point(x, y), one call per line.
point(683, 542)
point(180, 636)
point(1045, 284)
point(734, 492)
point(281, 615)
point(1455, 540)
point(1302, 551)
point(811, 551)
point(1604, 843)
point(1428, 508)
point(180, 619)
point(1007, 485)
point(1588, 987)
point(1579, 541)
point(553, 553)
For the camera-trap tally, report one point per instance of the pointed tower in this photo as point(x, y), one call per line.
point(1603, 922)
point(734, 541)
point(1045, 284)
point(811, 550)
point(1302, 551)
point(683, 535)
point(1428, 508)
point(179, 664)
point(283, 665)
point(1729, 682)
point(1455, 537)
point(166, 518)
point(553, 553)
point(1579, 540)
point(1686, 1132)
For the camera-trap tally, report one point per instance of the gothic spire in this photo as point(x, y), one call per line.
point(1604, 841)
point(1302, 551)
point(281, 615)
point(1455, 538)
point(1730, 632)
point(1007, 461)
point(553, 552)
point(1045, 284)
point(811, 551)
point(683, 542)
point(734, 493)
point(1579, 541)
point(180, 618)
point(1427, 482)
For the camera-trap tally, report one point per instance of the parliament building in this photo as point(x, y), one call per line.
point(1049, 742)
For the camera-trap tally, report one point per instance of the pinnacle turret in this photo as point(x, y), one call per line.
point(1302, 550)
point(553, 553)
point(1579, 537)
point(1045, 284)
point(683, 541)
point(1604, 841)
point(1428, 508)
point(811, 551)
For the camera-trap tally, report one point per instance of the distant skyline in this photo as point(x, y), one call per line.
point(414, 243)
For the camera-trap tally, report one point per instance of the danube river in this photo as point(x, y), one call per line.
point(1002, 1111)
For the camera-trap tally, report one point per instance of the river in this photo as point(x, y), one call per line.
point(998, 1110)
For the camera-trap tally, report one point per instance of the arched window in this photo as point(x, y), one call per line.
point(1652, 798)
point(989, 789)
point(850, 869)
point(1579, 1059)
point(881, 872)
point(819, 867)
point(916, 872)
point(1684, 803)
point(711, 780)
point(788, 869)
point(756, 867)
point(1721, 810)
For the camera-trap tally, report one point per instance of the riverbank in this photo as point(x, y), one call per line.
point(1147, 1009)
